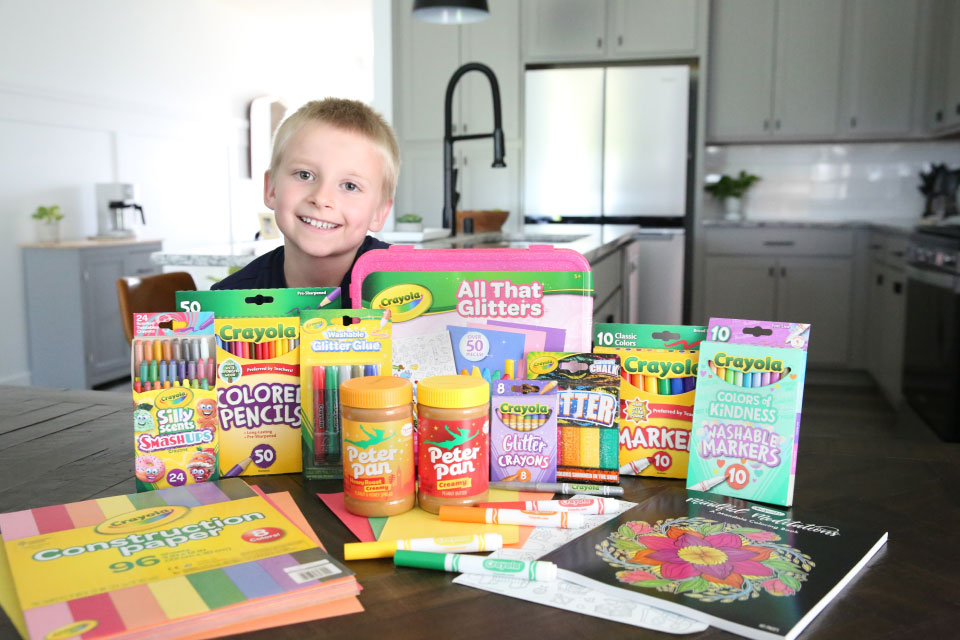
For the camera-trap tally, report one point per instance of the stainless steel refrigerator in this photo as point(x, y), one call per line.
point(607, 144)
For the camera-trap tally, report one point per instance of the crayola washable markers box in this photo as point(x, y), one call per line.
point(588, 398)
point(332, 352)
point(746, 418)
point(175, 420)
point(658, 379)
point(251, 303)
point(258, 395)
point(523, 431)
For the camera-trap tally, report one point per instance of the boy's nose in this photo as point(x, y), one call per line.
point(322, 195)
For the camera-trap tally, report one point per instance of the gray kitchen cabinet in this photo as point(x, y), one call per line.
point(75, 334)
point(569, 30)
point(886, 312)
point(775, 69)
point(943, 103)
point(653, 266)
point(880, 68)
point(789, 275)
point(611, 310)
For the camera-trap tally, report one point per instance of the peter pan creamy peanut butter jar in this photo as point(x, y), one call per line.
point(454, 441)
point(377, 415)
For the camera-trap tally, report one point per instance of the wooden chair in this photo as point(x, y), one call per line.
point(150, 294)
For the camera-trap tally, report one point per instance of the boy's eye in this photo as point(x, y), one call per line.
point(304, 175)
point(351, 186)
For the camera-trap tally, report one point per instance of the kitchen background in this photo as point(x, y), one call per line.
point(833, 103)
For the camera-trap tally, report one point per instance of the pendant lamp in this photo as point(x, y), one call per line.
point(451, 11)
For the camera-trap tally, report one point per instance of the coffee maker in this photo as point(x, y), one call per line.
point(117, 210)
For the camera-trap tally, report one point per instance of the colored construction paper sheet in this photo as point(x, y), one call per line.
point(358, 525)
point(533, 339)
point(556, 338)
point(285, 504)
point(417, 523)
point(243, 585)
point(377, 524)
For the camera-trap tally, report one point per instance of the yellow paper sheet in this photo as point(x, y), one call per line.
point(8, 595)
point(417, 523)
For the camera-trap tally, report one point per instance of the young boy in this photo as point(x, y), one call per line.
point(331, 179)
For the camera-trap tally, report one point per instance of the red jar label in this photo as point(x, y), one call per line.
point(454, 457)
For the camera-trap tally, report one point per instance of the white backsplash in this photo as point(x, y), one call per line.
point(829, 182)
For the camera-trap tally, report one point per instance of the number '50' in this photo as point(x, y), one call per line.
point(146, 561)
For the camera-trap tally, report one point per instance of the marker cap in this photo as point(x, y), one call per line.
point(368, 550)
point(463, 514)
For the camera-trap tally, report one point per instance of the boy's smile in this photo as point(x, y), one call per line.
point(327, 193)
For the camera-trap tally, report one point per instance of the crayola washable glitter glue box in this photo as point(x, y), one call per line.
point(175, 408)
point(657, 389)
point(746, 418)
point(588, 398)
point(476, 311)
point(258, 393)
point(523, 431)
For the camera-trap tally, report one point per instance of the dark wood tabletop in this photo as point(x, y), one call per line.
point(859, 461)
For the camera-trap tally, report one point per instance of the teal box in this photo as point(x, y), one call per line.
point(259, 303)
point(746, 416)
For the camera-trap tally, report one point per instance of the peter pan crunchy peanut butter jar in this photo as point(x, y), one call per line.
point(454, 441)
point(377, 415)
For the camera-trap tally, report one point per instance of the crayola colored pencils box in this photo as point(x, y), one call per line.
point(523, 431)
point(258, 394)
point(746, 419)
point(657, 389)
point(588, 397)
point(175, 421)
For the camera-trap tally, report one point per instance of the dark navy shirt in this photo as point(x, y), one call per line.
point(266, 272)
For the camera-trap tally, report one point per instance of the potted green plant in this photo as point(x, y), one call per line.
point(48, 223)
point(730, 190)
point(409, 222)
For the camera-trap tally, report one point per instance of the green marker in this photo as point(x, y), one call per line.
point(536, 571)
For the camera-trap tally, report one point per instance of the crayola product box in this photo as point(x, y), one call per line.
point(175, 420)
point(523, 431)
point(252, 303)
point(258, 395)
point(746, 418)
point(588, 398)
point(332, 352)
point(476, 310)
point(657, 389)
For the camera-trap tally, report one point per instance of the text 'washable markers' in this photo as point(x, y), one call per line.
point(589, 506)
point(539, 570)
point(555, 519)
point(569, 488)
point(451, 544)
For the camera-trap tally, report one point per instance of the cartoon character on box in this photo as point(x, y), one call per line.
point(202, 463)
point(207, 413)
point(149, 468)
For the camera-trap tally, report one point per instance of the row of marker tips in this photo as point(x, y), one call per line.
point(172, 362)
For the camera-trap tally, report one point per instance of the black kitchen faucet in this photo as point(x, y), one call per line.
point(450, 195)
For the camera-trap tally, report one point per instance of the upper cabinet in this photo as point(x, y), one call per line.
point(779, 81)
point(943, 104)
point(812, 69)
point(880, 68)
point(570, 30)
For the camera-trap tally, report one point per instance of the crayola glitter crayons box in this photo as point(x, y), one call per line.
point(175, 407)
point(746, 418)
point(523, 431)
point(258, 394)
point(658, 379)
point(332, 352)
point(588, 398)
point(252, 303)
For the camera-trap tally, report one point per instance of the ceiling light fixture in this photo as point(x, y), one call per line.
point(451, 11)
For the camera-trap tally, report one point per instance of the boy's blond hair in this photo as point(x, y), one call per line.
point(349, 115)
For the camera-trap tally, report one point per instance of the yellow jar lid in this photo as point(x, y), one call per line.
point(375, 392)
point(453, 392)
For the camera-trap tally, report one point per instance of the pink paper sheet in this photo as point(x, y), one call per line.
point(359, 525)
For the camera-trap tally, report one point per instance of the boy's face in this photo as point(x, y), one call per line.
point(326, 193)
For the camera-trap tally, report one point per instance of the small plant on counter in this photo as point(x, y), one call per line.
point(730, 190)
point(48, 215)
point(409, 217)
point(409, 222)
point(48, 223)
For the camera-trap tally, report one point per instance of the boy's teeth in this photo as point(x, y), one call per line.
point(320, 224)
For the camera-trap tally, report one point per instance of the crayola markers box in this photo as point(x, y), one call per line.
point(523, 431)
point(746, 418)
point(251, 303)
point(175, 408)
point(332, 352)
point(657, 389)
point(588, 398)
point(258, 395)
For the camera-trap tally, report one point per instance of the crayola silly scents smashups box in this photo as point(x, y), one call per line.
point(258, 393)
point(657, 390)
point(746, 419)
point(175, 416)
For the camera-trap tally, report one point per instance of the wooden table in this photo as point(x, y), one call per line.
point(858, 461)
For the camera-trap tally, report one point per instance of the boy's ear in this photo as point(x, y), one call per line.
point(380, 217)
point(269, 191)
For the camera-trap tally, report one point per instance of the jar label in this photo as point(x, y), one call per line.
point(378, 459)
point(454, 457)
